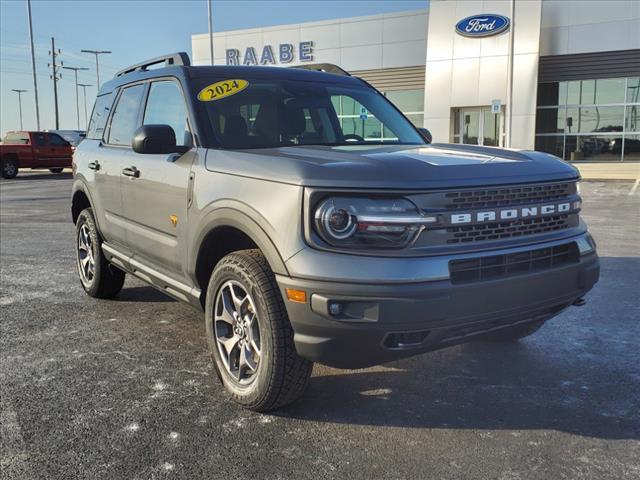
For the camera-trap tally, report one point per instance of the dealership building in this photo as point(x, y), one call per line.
point(555, 75)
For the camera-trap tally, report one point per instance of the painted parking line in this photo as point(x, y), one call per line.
point(635, 187)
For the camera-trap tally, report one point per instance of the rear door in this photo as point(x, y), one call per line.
point(109, 157)
point(155, 201)
point(60, 150)
point(42, 152)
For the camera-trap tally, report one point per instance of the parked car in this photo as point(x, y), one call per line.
point(35, 150)
point(74, 137)
point(236, 190)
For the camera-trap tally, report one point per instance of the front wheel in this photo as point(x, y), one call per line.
point(250, 336)
point(56, 170)
point(9, 167)
point(99, 278)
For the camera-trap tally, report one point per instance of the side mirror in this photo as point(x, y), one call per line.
point(156, 139)
point(426, 134)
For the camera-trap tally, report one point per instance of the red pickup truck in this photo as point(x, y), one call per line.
point(34, 150)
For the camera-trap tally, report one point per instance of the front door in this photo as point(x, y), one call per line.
point(155, 198)
point(478, 126)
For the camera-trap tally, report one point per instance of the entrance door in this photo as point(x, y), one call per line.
point(478, 126)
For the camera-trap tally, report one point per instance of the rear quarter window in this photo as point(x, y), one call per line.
point(99, 116)
point(16, 138)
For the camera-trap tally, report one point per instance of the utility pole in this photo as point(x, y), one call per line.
point(19, 92)
point(96, 53)
point(209, 10)
point(33, 66)
point(84, 91)
point(75, 70)
point(55, 78)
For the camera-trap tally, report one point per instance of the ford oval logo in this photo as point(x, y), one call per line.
point(482, 25)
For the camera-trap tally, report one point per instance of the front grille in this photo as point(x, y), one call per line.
point(497, 266)
point(507, 196)
point(515, 228)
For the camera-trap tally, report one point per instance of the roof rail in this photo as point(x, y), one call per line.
point(180, 58)
point(325, 67)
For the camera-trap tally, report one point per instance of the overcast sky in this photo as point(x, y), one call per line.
point(134, 31)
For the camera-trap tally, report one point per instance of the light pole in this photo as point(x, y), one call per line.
point(33, 65)
point(75, 70)
point(84, 91)
point(19, 92)
point(209, 11)
point(96, 53)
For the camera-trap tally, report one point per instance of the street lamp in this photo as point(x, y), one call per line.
point(96, 53)
point(84, 91)
point(75, 70)
point(19, 92)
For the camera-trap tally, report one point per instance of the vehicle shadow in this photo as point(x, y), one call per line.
point(22, 176)
point(477, 386)
point(142, 294)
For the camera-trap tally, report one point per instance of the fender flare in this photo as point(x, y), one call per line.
point(80, 186)
point(232, 217)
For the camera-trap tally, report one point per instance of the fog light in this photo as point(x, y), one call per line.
point(335, 309)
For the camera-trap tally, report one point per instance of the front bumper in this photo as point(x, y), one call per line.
point(381, 322)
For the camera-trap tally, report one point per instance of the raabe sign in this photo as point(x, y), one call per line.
point(284, 53)
point(482, 25)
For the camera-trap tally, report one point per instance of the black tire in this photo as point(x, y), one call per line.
point(513, 334)
point(281, 375)
point(9, 167)
point(106, 280)
point(56, 170)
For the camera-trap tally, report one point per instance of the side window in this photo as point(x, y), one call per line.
point(124, 120)
point(99, 116)
point(57, 140)
point(165, 106)
point(41, 139)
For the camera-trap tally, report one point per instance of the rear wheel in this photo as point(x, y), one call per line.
point(250, 336)
point(56, 170)
point(513, 334)
point(99, 278)
point(9, 167)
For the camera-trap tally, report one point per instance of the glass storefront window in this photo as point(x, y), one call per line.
point(598, 115)
point(633, 90)
point(632, 147)
point(551, 144)
point(632, 119)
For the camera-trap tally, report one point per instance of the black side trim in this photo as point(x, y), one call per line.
point(618, 63)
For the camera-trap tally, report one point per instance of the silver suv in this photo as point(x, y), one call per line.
point(312, 222)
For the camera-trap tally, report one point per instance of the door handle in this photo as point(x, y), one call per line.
point(131, 172)
point(94, 166)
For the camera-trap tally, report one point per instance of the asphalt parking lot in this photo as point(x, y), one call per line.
point(124, 388)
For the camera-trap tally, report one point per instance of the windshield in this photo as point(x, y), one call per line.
point(275, 113)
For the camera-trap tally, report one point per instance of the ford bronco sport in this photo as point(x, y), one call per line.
point(312, 222)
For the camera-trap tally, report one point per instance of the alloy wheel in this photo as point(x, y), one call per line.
point(86, 262)
point(237, 332)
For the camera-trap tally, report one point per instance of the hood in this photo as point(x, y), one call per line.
point(392, 167)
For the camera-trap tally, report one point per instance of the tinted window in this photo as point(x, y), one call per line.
point(125, 116)
point(99, 116)
point(165, 106)
point(16, 138)
point(40, 139)
point(272, 113)
point(57, 140)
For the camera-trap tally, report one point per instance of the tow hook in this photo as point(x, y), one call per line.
point(579, 302)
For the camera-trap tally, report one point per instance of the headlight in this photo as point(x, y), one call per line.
point(368, 222)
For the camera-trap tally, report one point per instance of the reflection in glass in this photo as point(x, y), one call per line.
point(471, 126)
point(550, 120)
point(632, 119)
point(633, 90)
point(551, 144)
point(490, 128)
point(632, 147)
point(407, 100)
point(610, 90)
point(598, 148)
